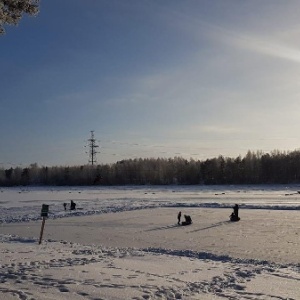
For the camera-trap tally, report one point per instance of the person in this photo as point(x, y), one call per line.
point(179, 217)
point(236, 210)
point(188, 220)
point(65, 206)
point(73, 205)
point(235, 214)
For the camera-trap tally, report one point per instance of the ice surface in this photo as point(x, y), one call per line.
point(123, 243)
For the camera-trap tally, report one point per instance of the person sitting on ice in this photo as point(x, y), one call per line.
point(188, 220)
point(235, 215)
point(73, 205)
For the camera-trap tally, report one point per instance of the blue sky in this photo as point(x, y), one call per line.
point(152, 78)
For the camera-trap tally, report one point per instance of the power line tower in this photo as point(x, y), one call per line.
point(92, 148)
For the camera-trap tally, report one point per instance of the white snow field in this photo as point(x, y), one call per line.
point(124, 243)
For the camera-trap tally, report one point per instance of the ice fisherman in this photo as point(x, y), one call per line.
point(188, 220)
point(73, 205)
point(236, 210)
point(179, 217)
point(235, 214)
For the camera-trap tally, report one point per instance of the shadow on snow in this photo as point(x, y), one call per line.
point(214, 225)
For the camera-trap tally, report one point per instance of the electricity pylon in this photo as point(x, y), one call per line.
point(92, 148)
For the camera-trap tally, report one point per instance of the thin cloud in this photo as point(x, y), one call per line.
point(261, 44)
point(268, 47)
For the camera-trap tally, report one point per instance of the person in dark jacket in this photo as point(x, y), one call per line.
point(179, 217)
point(235, 215)
point(236, 210)
point(188, 220)
point(73, 205)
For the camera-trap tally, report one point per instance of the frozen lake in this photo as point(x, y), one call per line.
point(20, 204)
point(94, 253)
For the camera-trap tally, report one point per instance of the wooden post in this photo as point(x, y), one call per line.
point(42, 230)
point(44, 214)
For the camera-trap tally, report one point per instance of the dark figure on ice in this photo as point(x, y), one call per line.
point(236, 210)
point(235, 215)
point(73, 205)
point(65, 206)
point(179, 217)
point(188, 220)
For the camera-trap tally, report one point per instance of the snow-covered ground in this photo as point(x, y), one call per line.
point(24, 204)
point(124, 243)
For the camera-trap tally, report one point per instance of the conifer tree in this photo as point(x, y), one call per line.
point(11, 11)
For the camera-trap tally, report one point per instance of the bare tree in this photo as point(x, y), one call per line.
point(11, 11)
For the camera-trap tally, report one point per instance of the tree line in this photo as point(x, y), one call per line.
point(254, 168)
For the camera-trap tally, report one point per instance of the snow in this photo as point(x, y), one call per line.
point(124, 243)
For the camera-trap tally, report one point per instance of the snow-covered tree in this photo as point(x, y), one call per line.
point(11, 11)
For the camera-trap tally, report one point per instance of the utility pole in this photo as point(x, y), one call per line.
point(93, 146)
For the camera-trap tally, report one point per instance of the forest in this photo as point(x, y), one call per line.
point(254, 168)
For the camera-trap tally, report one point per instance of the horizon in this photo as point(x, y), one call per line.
point(192, 79)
